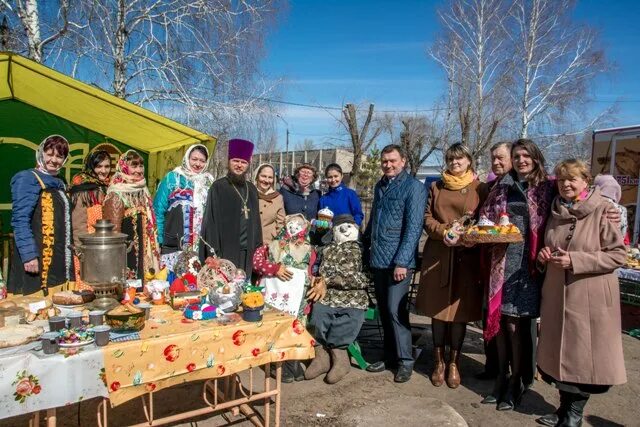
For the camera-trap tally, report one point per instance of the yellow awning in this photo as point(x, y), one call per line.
point(41, 87)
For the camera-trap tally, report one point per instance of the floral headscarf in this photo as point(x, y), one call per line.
point(124, 181)
point(40, 155)
point(88, 175)
point(134, 194)
point(185, 167)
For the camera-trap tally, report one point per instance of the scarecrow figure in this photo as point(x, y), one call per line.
point(341, 301)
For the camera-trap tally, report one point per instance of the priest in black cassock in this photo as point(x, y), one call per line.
point(231, 225)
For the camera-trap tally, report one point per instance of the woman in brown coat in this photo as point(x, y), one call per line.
point(580, 347)
point(271, 204)
point(450, 291)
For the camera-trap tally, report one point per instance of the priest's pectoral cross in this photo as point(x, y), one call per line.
point(246, 210)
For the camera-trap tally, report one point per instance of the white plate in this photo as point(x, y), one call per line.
point(76, 344)
point(69, 306)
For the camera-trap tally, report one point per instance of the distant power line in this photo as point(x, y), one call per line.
point(417, 110)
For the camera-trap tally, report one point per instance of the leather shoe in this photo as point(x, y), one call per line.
point(550, 420)
point(489, 400)
point(403, 375)
point(377, 366)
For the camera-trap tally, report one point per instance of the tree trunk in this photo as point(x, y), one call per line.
point(31, 21)
point(120, 64)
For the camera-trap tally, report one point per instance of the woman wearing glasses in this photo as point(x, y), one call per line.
point(299, 193)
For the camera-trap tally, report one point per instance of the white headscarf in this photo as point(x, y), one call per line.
point(255, 178)
point(40, 156)
point(201, 182)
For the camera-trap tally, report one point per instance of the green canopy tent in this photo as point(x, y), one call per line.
point(36, 101)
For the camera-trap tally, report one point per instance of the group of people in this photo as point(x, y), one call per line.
point(561, 273)
point(189, 210)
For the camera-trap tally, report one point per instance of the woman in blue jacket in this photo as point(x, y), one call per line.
point(180, 202)
point(41, 222)
point(340, 199)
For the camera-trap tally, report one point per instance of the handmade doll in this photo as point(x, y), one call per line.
point(341, 301)
point(285, 266)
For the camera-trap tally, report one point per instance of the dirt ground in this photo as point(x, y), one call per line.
point(375, 400)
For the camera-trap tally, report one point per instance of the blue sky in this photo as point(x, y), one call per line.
point(331, 52)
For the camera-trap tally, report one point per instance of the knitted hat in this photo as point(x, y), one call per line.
point(240, 149)
point(343, 219)
point(609, 187)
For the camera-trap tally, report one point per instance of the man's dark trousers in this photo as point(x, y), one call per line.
point(391, 298)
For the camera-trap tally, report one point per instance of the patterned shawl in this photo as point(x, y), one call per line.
point(539, 199)
point(88, 183)
point(134, 194)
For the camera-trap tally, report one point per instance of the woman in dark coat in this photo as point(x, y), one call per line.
point(299, 194)
point(450, 291)
point(41, 221)
point(525, 194)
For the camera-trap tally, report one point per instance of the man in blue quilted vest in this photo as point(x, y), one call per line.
point(391, 240)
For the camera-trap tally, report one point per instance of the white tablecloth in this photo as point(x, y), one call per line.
point(32, 381)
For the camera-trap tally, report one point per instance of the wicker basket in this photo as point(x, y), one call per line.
point(492, 238)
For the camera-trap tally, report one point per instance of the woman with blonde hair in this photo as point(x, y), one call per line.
point(271, 203)
point(449, 293)
point(580, 346)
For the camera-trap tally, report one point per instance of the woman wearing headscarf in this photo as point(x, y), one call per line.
point(128, 205)
point(88, 190)
point(271, 204)
point(41, 222)
point(450, 295)
point(180, 202)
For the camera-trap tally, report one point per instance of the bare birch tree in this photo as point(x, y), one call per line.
point(471, 50)
point(194, 61)
point(554, 60)
point(24, 17)
point(361, 138)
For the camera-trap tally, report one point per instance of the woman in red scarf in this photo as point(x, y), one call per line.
point(129, 206)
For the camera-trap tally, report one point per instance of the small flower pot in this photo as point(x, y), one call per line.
point(252, 314)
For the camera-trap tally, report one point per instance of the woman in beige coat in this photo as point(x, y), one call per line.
point(271, 204)
point(580, 344)
point(450, 291)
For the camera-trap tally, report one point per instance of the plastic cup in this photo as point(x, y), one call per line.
point(56, 323)
point(96, 318)
point(50, 343)
point(147, 309)
point(75, 319)
point(101, 335)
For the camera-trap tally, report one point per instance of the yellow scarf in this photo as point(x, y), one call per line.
point(455, 183)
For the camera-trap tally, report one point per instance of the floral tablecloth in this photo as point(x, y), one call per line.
point(31, 381)
point(174, 350)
